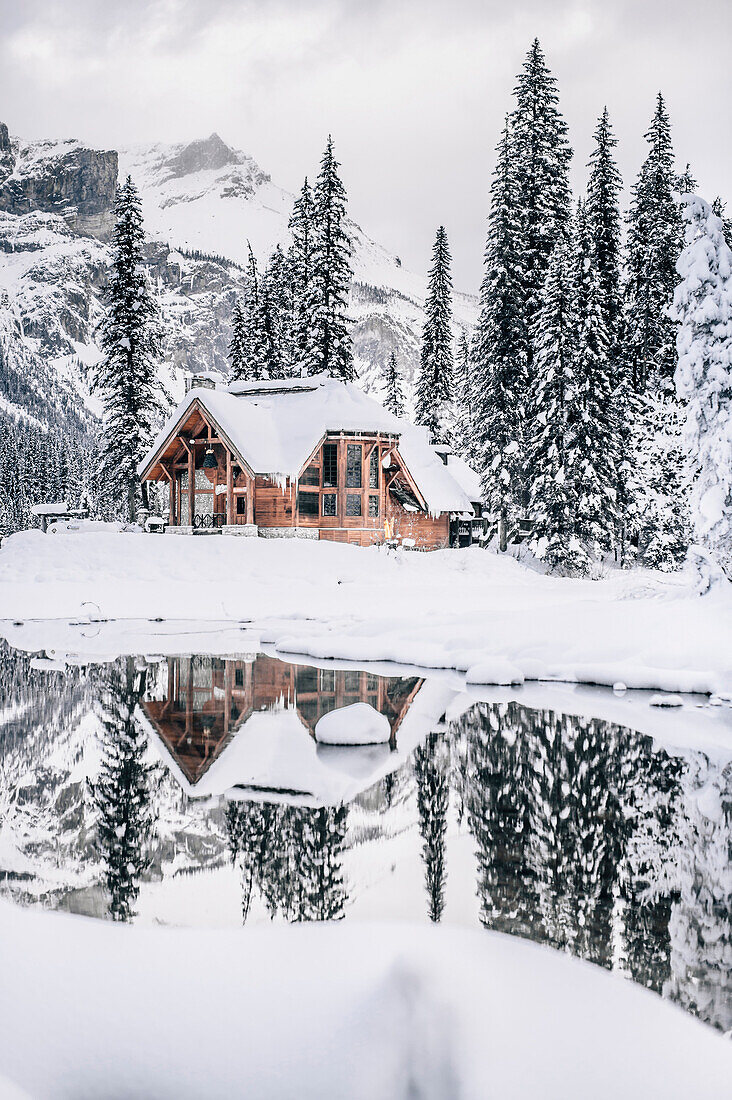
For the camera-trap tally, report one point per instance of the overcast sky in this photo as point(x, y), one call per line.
point(414, 91)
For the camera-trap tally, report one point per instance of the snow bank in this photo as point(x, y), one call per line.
point(93, 1009)
point(452, 609)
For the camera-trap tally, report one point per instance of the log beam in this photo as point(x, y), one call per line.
point(230, 517)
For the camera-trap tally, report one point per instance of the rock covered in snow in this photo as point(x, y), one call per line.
point(358, 724)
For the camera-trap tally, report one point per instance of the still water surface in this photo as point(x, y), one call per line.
point(198, 790)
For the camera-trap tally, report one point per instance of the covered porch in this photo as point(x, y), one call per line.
point(210, 486)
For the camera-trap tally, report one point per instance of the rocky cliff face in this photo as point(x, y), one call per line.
point(62, 178)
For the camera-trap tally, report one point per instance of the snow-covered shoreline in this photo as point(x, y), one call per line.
point(377, 1010)
point(474, 611)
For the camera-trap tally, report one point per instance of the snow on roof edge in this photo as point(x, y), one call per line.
point(275, 425)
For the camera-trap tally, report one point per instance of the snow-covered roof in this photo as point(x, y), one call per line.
point(276, 425)
point(50, 509)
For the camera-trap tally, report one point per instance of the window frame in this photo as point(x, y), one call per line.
point(329, 463)
point(357, 469)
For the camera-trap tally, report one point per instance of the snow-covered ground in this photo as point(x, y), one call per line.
point(489, 615)
point(332, 1011)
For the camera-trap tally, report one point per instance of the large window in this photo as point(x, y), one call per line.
point(308, 504)
point(353, 504)
point(354, 461)
point(373, 506)
point(329, 504)
point(311, 476)
point(330, 465)
point(374, 469)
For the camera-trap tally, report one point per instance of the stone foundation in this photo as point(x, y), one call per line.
point(179, 530)
point(289, 533)
point(241, 529)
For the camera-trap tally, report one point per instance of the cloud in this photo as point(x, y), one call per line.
point(413, 90)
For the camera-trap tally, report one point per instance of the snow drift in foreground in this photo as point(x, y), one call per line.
point(92, 1009)
point(461, 609)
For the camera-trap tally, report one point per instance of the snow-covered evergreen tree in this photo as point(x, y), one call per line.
point(603, 217)
point(465, 431)
point(249, 346)
point(302, 228)
point(659, 519)
point(652, 250)
point(393, 386)
point(703, 308)
point(595, 454)
point(719, 208)
point(238, 344)
point(553, 420)
point(500, 348)
point(685, 183)
point(130, 339)
point(434, 393)
point(329, 338)
point(279, 285)
point(542, 156)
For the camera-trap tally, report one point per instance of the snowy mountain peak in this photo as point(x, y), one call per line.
point(209, 153)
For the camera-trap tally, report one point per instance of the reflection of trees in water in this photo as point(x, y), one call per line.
point(544, 805)
point(591, 840)
point(700, 926)
point(431, 771)
point(122, 790)
point(292, 855)
point(497, 797)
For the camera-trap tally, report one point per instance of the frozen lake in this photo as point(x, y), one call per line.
point(207, 789)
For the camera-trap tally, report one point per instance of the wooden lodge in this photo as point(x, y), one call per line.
point(313, 458)
point(271, 707)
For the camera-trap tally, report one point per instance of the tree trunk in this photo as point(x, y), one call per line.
point(502, 533)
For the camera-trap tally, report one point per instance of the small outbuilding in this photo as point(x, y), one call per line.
point(309, 457)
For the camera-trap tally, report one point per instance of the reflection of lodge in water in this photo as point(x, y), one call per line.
point(209, 699)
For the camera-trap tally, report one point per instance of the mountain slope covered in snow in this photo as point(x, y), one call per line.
point(203, 203)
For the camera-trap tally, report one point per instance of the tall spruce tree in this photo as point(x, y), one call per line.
point(238, 345)
point(554, 417)
point(393, 387)
point(703, 308)
point(249, 346)
point(330, 347)
point(603, 216)
point(652, 250)
point(542, 156)
point(465, 431)
point(302, 228)
point(500, 349)
point(434, 395)
point(131, 342)
point(596, 455)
